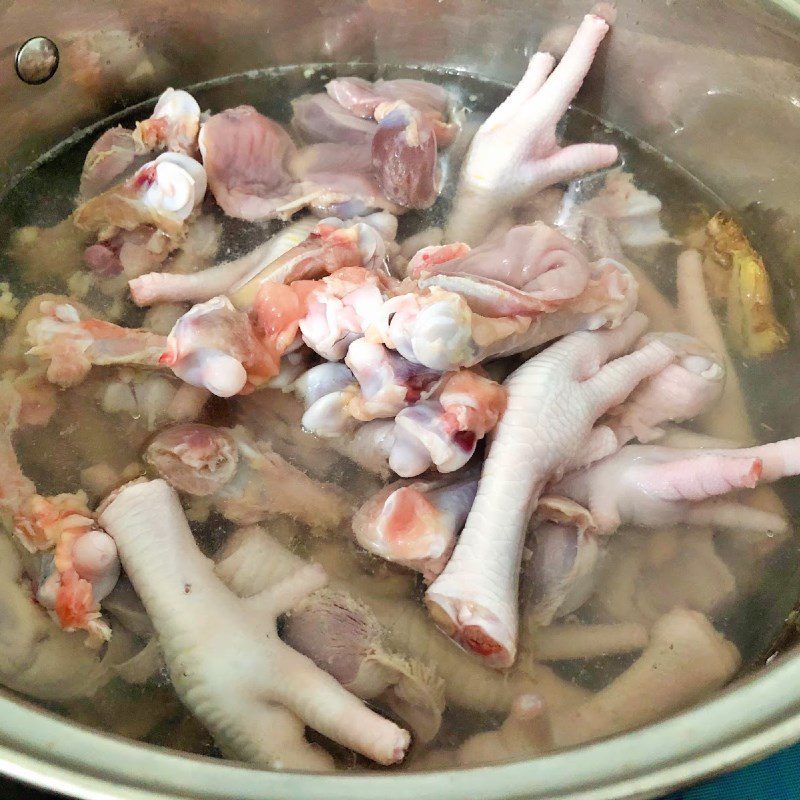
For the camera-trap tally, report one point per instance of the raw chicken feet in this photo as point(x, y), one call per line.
point(254, 693)
point(554, 399)
point(515, 153)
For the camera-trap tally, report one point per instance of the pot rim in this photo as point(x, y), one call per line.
point(750, 719)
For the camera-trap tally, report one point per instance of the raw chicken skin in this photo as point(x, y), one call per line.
point(655, 486)
point(515, 153)
point(553, 401)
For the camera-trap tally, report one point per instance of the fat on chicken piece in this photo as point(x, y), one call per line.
point(515, 153)
point(213, 640)
point(578, 379)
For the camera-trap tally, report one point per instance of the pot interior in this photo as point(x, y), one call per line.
point(702, 102)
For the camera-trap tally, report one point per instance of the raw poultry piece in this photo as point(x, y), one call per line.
point(364, 99)
point(438, 420)
point(649, 573)
point(560, 563)
point(685, 661)
point(569, 641)
point(545, 266)
point(402, 146)
point(730, 419)
point(108, 159)
point(416, 524)
point(243, 477)
point(37, 657)
point(343, 636)
point(163, 194)
point(64, 335)
point(213, 641)
point(653, 486)
point(319, 118)
point(219, 348)
point(197, 287)
point(339, 180)
point(256, 172)
point(337, 631)
point(629, 215)
point(252, 560)
point(140, 250)
point(246, 157)
point(404, 156)
point(80, 566)
point(515, 152)
point(331, 246)
point(681, 391)
point(554, 400)
point(276, 417)
point(387, 382)
point(438, 327)
point(173, 125)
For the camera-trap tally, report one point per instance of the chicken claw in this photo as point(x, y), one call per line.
point(553, 401)
point(253, 692)
point(515, 153)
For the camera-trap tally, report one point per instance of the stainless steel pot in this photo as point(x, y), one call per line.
point(714, 85)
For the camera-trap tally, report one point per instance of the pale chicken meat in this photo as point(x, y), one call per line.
point(244, 478)
point(246, 156)
point(652, 486)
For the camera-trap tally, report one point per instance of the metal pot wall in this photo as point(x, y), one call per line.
point(715, 85)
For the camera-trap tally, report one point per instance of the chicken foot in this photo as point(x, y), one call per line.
point(213, 640)
point(554, 400)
